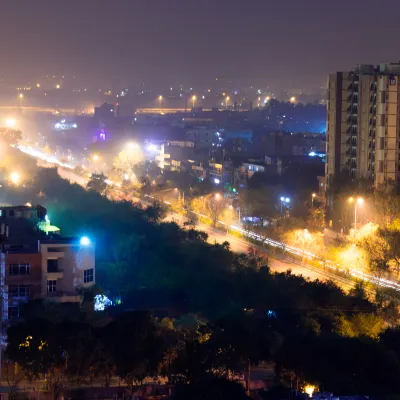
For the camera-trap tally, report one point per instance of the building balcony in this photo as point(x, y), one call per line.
point(65, 297)
point(53, 276)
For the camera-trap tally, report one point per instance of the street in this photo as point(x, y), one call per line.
point(277, 265)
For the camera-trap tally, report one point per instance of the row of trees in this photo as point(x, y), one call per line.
point(135, 346)
point(243, 313)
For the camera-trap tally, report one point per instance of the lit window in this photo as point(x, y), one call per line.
point(51, 286)
point(88, 275)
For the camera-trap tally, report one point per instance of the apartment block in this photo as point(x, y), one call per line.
point(37, 265)
point(363, 123)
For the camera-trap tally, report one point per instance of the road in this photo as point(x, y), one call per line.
point(242, 246)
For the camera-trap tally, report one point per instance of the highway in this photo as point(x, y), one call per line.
point(155, 110)
point(39, 109)
point(277, 265)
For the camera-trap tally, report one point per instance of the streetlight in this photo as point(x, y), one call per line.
point(132, 145)
point(21, 96)
point(293, 99)
point(160, 99)
point(179, 195)
point(359, 202)
point(213, 205)
point(283, 201)
point(10, 122)
point(226, 102)
point(313, 196)
point(95, 157)
point(15, 178)
point(194, 100)
point(84, 241)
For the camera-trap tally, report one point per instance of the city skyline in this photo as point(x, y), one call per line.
point(127, 41)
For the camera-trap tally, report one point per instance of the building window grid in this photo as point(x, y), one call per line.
point(13, 312)
point(88, 275)
point(18, 290)
point(19, 269)
point(51, 286)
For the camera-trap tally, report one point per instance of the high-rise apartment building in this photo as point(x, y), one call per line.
point(363, 124)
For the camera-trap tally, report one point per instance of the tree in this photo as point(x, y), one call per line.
point(210, 387)
point(216, 205)
point(137, 347)
point(305, 241)
point(10, 136)
point(127, 159)
point(316, 219)
point(383, 249)
point(387, 203)
point(361, 324)
point(358, 290)
point(155, 212)
point(97, 183)
point(258, 201)
point(35, 346)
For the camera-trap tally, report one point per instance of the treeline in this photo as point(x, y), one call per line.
point(212, 311)
point(136, 347)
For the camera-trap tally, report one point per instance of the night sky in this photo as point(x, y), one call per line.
point(288, 43)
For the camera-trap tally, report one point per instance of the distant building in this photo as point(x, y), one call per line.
point(104, 114)
point(203, 137)
point(363, 123)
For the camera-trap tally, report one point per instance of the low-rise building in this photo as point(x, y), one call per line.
point(38, 265)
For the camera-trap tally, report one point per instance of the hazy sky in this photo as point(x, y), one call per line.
point(294, 43)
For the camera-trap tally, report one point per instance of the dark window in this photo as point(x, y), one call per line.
point(18, 291)
point(13, 312)
point(11, 213)
point(19, 269)
point(88, 275)
point(52, 265)
point(51, 286)
point(382, 143)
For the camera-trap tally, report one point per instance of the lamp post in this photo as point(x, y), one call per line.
point(179, 195)
point(194, 100)
point(213, 207)
point(20, 96)
point(284, 200)
point(359, 201)
point(160, 99)
point(313, 196)
point(226, 102)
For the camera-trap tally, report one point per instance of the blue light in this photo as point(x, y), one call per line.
point(85, 241)
point(287, 200)
point(312, 154)
point(216, 181)
point(282, 199)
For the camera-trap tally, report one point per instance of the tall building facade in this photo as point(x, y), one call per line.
point(363, 124)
